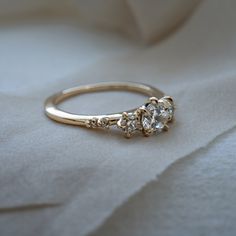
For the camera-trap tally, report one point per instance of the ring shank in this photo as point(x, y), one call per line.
point(56, 114)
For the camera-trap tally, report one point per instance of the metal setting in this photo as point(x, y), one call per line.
point(152, 117)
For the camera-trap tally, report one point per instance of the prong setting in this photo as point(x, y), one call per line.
point(153, 100)
point(169, 99)
point(152, 117)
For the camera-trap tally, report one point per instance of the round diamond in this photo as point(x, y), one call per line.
point(157, 115)
point(128, 123)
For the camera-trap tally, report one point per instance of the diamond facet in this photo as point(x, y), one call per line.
point(159, 126)
point(146, 122)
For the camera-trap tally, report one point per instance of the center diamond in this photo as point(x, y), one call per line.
point(156, 115)
point(152, 117)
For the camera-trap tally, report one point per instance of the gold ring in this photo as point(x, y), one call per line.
point(151, 117)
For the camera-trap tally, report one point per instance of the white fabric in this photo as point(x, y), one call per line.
point(195, 196)
point(55, 173)
point(156, 18)
point(148, 20)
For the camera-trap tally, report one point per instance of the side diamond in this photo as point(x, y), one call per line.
point(128, 123)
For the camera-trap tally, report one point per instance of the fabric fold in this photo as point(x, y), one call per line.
point(89, 173)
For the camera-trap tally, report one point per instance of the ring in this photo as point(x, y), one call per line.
point(151, 117)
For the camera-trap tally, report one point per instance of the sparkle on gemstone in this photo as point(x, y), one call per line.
point(151, 107)
point(159, 126)
point(128, 124)
point(157, 116)
point(165, 114)
point(131, 126)
point(146, 122)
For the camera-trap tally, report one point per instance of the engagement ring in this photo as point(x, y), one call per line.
point(151, 117)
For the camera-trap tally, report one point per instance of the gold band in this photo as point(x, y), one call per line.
point(104, 121)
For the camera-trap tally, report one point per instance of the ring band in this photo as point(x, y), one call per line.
point(151, 117)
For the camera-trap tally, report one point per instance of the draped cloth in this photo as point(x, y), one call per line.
point(62, 180)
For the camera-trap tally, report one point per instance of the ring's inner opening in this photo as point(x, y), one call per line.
point(105, 102)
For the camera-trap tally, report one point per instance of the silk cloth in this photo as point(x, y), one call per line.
point(62, 180)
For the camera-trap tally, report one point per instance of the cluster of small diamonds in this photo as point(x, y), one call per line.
point(152, 117)
point(98, 123)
